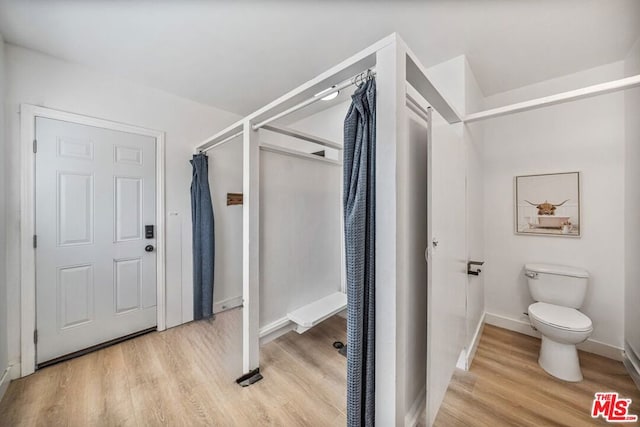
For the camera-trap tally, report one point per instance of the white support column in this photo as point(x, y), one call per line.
point(250, 249)
point(390, 331)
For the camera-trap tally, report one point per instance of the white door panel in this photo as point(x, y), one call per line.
point(95, 192)
point(447, 297)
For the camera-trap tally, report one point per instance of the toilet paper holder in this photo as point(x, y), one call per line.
point(473, 267)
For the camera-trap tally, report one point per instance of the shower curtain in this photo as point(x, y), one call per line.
point(359, 221)
point(203, 238)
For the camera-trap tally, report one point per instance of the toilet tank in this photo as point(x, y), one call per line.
point(557, 284)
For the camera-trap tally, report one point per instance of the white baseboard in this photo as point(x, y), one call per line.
point(11, 373)
point(461, 363)
point(227, 304)
point(471, 353)
point(632, 363)
point(590, 346)
point(275, 329)
point(411, 418)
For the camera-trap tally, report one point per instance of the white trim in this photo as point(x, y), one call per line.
point(632, 363)
point(250, 248)
point(471, 352)
point(4, 381)
point(275, 329)
point(11, 373)
point(547, 101)
point(28, 114)
point(590, 346)
point(227, 304)
point(461, 363)
point(633, 373)
point(391, 134)
point(411, 418)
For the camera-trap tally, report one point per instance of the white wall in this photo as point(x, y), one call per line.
point(300, 235)
point(225, 176)
point(412, 264)
point(300, 219)
point(42, 80)
point(585, 136)
point(4, 353)
point(632, 205)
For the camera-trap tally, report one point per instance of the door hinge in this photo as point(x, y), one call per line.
point(35, 241)
point(35, 336)
point(35, 146)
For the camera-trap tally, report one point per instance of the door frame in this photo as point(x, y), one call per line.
point(28, 114)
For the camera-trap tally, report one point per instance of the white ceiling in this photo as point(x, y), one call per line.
point(239, 55)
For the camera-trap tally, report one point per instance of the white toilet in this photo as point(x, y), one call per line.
point(559, 291)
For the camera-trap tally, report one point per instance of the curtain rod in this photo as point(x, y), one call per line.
point(351, 81)
point(316, 98)
point(224, 141)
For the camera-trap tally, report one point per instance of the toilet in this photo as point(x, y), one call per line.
point(559, 292)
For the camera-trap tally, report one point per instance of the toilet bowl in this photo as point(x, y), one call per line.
point(561, 329)
point(559, 292)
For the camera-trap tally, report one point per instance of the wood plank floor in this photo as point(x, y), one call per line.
point(185, 377)
point(506, 387)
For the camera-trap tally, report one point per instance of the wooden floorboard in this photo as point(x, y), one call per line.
point(185, 376)
point(506, 387)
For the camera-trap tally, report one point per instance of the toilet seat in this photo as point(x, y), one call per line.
point(556, 316)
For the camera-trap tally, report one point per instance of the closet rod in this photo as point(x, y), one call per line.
point(224, 141)
point(295, 153)
point(417, 108)
point(303, 136)
point(310, 101)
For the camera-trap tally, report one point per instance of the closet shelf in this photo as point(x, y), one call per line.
point(308, 316)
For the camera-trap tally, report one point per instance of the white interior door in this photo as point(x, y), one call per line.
point(447, 295)
point(95, 192)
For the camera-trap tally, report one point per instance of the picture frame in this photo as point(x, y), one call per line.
point(548, 204)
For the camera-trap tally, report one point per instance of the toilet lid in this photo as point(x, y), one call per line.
point(560, 317)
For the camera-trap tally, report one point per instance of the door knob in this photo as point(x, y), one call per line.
point(149, 248)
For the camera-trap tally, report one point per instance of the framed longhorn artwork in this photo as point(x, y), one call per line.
point(548, 204)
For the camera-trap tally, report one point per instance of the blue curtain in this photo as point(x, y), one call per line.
point(359, 201)
point(203, 238)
